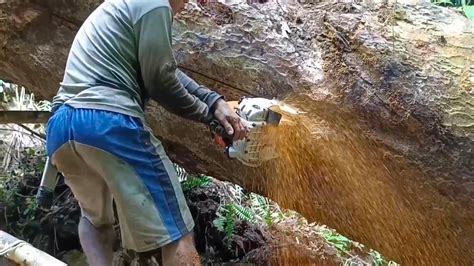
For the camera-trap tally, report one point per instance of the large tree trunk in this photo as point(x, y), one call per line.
point(400, 75)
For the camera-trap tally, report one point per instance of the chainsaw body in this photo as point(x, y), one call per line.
point(256, 114)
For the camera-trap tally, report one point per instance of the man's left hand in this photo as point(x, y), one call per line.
point(231, 122)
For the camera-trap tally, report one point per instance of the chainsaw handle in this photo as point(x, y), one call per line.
point(218, 129)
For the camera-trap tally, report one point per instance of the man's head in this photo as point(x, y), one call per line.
point(178, 5)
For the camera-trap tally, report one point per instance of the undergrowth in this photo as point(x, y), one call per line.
point(340, 242)
point(17, 189)
point(252, 208)
point(238, 206)
point(195, 182)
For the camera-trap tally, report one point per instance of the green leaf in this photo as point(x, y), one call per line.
point(243, 213)
point(195, 182)
point(219, 223)
point(340, 242)
point(377, 258)
point(225, 222)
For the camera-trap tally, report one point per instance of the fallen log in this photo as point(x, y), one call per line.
point(400, 75)
point(24, 254)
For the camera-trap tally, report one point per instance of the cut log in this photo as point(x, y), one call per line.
point(399, 74)
point(23, 253)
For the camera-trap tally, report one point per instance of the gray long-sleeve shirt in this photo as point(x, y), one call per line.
point(123, 52)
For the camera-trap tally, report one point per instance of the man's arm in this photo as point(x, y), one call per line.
point(163, 82)
point(204, 94)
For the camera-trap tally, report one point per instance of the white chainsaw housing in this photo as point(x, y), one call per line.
point(254, 112)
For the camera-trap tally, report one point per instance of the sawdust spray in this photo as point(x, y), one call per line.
point(328, 171)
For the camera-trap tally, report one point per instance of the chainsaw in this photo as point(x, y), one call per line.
point(256, 114)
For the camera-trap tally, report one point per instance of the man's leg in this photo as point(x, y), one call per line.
point(186, 253)
point(96, 232)
point(143, 227)
point(168, 254)
point(181, 252)
point(97, 243)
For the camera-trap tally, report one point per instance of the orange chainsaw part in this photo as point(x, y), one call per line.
point(219, 140)
point(233, 105)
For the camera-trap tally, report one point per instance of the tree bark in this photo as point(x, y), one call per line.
point(401, 75)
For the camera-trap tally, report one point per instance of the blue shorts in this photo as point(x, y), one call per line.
point(107, 156)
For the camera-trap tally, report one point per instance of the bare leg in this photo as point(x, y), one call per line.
point(181, 252)
point(97, 243)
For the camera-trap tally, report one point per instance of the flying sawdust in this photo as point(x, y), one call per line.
point(331, 173)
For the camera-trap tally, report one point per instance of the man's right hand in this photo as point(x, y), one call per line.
point(231, 122)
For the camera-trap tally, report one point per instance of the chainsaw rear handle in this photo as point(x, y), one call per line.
point(218, 129)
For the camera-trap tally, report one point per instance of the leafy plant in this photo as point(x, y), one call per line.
point(377, 258)
point(262, 208)
point(243, 213)
point(340, 242)
point(225, 221)
point(228, 215)
point(190, 182)
point(240, 206)
point(31, 207)
point(19, 206)
point(7, 191)
point(195, 182)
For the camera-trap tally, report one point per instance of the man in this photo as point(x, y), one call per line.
point(97, 137)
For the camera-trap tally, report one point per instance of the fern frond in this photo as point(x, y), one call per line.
point(225, 221)
point(243, 213)
point(219, 223)
point(188, 181)
point(230, 229)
